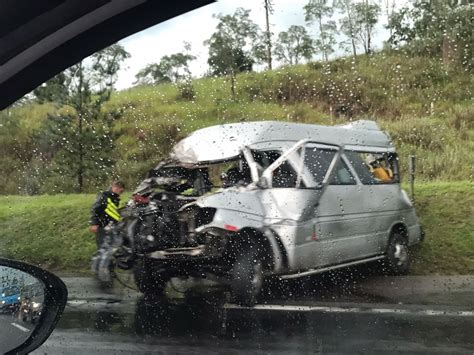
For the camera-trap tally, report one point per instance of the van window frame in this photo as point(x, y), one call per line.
point(326, 179)
point(296, 161)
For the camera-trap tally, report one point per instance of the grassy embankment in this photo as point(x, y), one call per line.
point(52, 230)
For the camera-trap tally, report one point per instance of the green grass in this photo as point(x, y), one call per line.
point(446, 211)
point(52, 231)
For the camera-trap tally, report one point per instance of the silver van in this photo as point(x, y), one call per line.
point(241, 202)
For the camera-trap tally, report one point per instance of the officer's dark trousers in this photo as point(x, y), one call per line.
point(100, 237)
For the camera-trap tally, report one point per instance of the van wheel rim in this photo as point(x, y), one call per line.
point(400, 254)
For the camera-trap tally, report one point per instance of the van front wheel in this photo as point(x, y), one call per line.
point(247, 277)
point(398, 257)
point(149, 282)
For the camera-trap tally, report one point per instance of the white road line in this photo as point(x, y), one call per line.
point(330, 309)
point(76, 302)
point(20, 327)
point(325, 309)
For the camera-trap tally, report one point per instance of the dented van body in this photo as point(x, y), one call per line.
point(296, 199)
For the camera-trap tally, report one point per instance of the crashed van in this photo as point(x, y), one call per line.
point(239, 203)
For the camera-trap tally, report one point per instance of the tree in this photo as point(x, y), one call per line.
point(85, 132)
point(389, 6)
point(293, 45)
point(15, 148)
point(91, 86)
point(235, 46)
point(316, 11)
point(347, 23)
point(268, 4)
point(54, 90)
point(366, 17)
point(436, 27)
point(82, 149)
point(105, 67)
point(171, 69)
point(401, 27)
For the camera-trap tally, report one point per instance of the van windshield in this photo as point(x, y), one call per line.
point(198, 180)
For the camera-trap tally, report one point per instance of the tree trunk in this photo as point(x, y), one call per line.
point(354, 47)
point(369, 50)
point(367, 26)
point(389, 7)
point(323, 44)
point(268, 34)
point(364, 43)
point(351, 28)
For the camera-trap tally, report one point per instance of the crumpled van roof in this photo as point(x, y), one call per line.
point(223, 142)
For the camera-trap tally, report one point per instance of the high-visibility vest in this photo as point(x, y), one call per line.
point(112, 210)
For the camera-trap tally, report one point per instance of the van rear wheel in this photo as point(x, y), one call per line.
point(398, 256)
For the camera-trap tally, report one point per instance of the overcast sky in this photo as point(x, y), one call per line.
point(196, 26)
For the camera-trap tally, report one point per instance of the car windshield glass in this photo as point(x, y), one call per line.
point(255, 176)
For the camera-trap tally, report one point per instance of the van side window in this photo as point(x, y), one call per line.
point(265, 158)
point(317, 161)
point(284, 176)
point(342, 175)
point(360, 167)
point(375, 168)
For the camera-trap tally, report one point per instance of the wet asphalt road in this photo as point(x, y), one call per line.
point(13, 333)
point(318, 316)
point(198, 326)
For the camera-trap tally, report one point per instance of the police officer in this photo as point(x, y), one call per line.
point(105, 211)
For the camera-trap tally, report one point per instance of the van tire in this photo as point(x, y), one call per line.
point(149, 282)
point(398, 256)
point(247, 277)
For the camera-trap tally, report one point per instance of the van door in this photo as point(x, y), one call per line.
point(381, 194)
point(341, 219)
point(341, 215)
point(289, 202)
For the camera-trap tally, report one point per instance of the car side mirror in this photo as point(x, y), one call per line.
point(31, 303)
